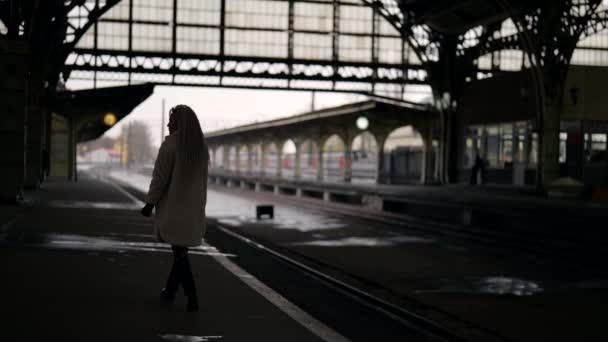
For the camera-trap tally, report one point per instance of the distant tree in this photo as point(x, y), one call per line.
point(138, 143)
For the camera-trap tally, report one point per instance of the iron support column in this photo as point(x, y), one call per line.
point(13, 103)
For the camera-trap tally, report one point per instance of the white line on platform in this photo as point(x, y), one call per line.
point(315, 326)
point(123, 191)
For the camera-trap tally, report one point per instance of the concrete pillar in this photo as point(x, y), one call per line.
point(348, 161)
point(279, 171)
point(13, 104)
point(59, 146)
point(297, 172)
point(237, 159)
point(381, 173)
point(320, 161)
point(249, 160)
point(263, 161)
point(225, 158)
point(326, 196)
point(258, 187)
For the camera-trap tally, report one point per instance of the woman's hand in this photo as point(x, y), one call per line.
point(147, 210)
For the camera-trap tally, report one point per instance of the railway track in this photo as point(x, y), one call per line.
point(567, 253)
point(427, 329)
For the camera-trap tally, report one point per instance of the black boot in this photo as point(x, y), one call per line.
point(173, 281)
point(192, 305)
point(167, 295)
point(186, 278)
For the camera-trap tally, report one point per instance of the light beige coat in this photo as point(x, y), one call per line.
point(180, 196)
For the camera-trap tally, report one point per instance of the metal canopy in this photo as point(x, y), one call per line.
point(380, 47)
point(88, 107)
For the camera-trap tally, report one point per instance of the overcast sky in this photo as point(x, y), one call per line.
point(219, 108)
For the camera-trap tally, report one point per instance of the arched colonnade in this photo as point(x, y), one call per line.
point(389, 151)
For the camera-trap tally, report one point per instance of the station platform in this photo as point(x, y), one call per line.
point(79, 263)
point(514, 287)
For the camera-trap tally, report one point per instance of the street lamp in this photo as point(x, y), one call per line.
point(109, 119)
point(362, 123)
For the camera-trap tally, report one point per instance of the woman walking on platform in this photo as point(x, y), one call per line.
point(179, 191)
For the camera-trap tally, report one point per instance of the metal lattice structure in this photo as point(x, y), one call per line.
point(300, 44)
point(367, 46)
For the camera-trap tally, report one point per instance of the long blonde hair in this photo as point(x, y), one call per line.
point(191, 145)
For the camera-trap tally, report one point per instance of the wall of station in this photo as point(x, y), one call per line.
point(496, 118)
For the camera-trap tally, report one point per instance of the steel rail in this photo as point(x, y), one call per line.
point(392, 311)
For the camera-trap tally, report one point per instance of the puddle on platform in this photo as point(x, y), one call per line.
point(187, 338)
point(303, 222)
point(365, 241)
point(491, 285)
point(501, 285)
point(94, 205)
point(239, 211)
point(98, 244)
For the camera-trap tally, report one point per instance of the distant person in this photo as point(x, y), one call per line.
point(478, 168)
point(178, 190)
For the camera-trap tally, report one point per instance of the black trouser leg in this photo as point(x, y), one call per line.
point(173, 280)
point(184, 271)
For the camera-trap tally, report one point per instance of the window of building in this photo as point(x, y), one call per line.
point(521, 130)
point(563, 138)
point(473, 136)
point(469, 154)
point(506, 144)
point(533, 156)
point(492, 146)
point(598, 142)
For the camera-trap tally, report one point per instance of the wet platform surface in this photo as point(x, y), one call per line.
point(79, 265)
point(498, 292)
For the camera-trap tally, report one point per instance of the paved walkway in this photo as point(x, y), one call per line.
point(80, 264)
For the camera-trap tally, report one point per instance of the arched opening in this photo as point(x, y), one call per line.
point(288, 159)
point(243, 159)
point(364, 159)
point(218, 158)
point(255, 154)
point(333, 159)
point(232, 159)
point(403, 157)
point(271, 160)
point(309, 163)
